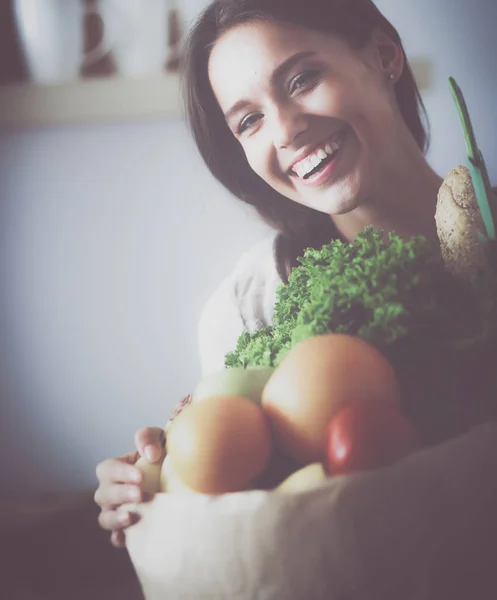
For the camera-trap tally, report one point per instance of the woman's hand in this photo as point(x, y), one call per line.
point(120, 482)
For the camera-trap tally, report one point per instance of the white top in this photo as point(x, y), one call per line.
point(243, 302)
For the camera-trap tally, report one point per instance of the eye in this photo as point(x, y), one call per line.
point(248, 122)
point(303, 81)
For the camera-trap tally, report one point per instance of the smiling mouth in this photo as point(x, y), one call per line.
point(321, 157)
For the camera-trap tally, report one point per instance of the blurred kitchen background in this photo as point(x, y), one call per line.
point(112, 232)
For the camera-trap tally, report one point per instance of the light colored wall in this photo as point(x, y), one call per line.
point(111, 239)
point(113, 236)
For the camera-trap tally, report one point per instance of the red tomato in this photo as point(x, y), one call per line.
point(368, 435)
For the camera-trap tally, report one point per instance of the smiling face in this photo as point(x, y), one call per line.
point(317, 120)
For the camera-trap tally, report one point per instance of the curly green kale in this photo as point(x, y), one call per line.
point(377, 289)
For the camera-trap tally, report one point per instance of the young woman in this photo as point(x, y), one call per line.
point(308, 111)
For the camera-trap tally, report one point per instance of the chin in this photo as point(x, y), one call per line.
point(339, 198)
point(342, 207)
point(335, 204)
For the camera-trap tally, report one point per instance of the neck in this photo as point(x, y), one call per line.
point(405, 205)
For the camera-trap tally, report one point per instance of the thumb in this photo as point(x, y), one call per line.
point(150, 443)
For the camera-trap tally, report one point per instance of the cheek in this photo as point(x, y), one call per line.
point(374, 120)
point(261, 159)
point(360, 104)
point(330, 101)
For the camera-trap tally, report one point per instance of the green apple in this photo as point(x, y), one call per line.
point(248, 382)
point(151, 475)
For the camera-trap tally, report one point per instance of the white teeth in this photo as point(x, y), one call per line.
point(308, 164)
point(300, 170)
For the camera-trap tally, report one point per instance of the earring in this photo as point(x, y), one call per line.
point(392, 76)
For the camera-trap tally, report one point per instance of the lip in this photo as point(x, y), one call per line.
point(309, 149)
point(324, 174)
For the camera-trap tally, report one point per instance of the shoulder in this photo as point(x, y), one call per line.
point(254, 267)
point(255, 279)
point(258, 262)
point(243, 301)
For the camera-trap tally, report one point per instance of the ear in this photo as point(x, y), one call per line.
point(388, 55)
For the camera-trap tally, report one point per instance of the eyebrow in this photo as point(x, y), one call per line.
point(278, 74)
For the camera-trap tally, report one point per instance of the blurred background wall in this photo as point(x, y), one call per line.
point(113, 235)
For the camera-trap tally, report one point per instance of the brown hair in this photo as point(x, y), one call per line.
point(353, 20)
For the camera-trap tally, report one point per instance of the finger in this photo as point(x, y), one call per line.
point(118, 539)
point(118, 470)
point(114, 495)
point(116, 520)
point(151, 443)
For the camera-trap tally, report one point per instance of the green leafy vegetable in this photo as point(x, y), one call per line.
point(374, 288)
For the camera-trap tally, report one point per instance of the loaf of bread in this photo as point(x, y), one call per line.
point(459, 224)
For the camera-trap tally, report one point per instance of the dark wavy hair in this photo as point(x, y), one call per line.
point(354, 21)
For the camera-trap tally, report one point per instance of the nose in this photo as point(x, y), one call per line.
point(287, 122)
